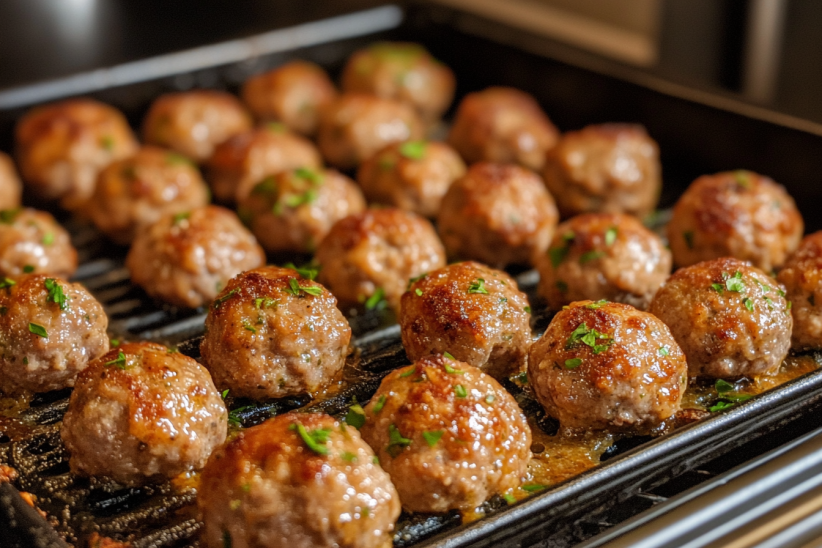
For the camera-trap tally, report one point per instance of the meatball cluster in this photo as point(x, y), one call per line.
point(802, 278)
point(10, 186)
point(32, 241)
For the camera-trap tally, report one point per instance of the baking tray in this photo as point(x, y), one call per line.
point(698, 133)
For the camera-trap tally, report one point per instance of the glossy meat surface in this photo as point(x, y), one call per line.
point(802, 278)
point(33, 241)
point(10, 186)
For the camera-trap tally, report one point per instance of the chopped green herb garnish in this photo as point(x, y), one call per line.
point(180, 217)
point(720, 406)
point(723, 386)
point(460, 391)
point(522, 378)
point(48, 238)
point(596, 305)
point(355, 416)
point(294, 288)
point(416, 279)
point(450, 370)
point(296, 200)
point(610, 236)
point(589, 337)
point(742, 178)
point(448, 355)
point(114, 342)
point(735, 283)
point(788, 308)
point(248, 327)
point(533, 487)
point(376, 300)
point(38, 330)
point(509, 498)
point(663, 351)
point(308, 271)
point(315, 439)
point(396, 441)
point(769, 302)
point(347, 456)
point(224, 393)
point(265, 302)
point(573, 363)
point(224, 298)
point(119, 362)
point(409, 372)
point(379, 405)
point(28, 269)
point(56, 294)
point(314, 177)
point(592, 255)
point(748, 304)
point(719, 288)
point(688, 235)
point(527, 309)
point(413, 150)
point(431, 438)
point(478, 286)
point(780, 292)
point(557, 255)
point(7, 216)
point(418, 291)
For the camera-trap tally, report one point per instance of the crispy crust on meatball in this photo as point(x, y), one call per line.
point(802, 278)
point(32, 241)
point(498, 214)
point(475, 313)
point(10, 186)
point(379, 249)
point(449, 435)
point(62, 147)
point(505, 125)
point(294, 210)
point(272, 334)
point(603, 365)
point(735, 214)
point(730, 318)
point(194, 122)
point(414, 175)
point(268, 487)
point(185, 259)
point(141, 413)
point(137, 191)
point(603, 256)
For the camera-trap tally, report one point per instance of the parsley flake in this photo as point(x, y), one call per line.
point(611, 236)
point(589, 337)
point(719, 288)
point(119, 362)
point(735, 283)
point(308, 271)
point(431, 438)
point(411, 281)
point(376, 301)
point(396, 441)
point(596, 305)
point(450, 370)
point(180, 217)
point(248, 327)
point(533, 487)
point(224, 393)
point(28, 269)
point(413, 150)
point(557, 255)
point(355, 416)
point(592, 255)
point(418, 291)
point(7, 216)
point(478, 286)
point(573, 363)
point(56, 294)
point(460, 391)
point(527, 309)
point(315, 439)
point(409, 372)
point(663, 351)
point(448, 355)
point(294, 288)
point(509, 498)
point(379, 405)
point(48, 238)
point(38, 330)
point(265, 302)
point(347, 456)
point(224, 298)
point(310, 175)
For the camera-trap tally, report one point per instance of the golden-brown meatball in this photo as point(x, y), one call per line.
point(62, 147)
point(475, 313)
point(603, 256)
point(137, 191)
point(401, 70)
point(449, 435)
point(602, 365)
point(609, 168)
point(802, 278)
point(414, 175)
point(142, 412)
point(293, 93)
point(10, 185)
point(193, 123)
point(730, 318)
point(187, 258)
point(498, 214)
point(32, 241)
point(293, 211)
point(355, 126)
point(735, 214)
point(377, 252)
point(244, 160)
point(504, 125)
point(298, 480)
point(49, 331)
point(272, 334)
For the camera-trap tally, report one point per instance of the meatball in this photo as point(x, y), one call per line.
point(449, 435)
point(137, 191)
point(414, 175)
point(603, 256)
point(49, 331)
point(10, 186)
point(404, 71)
point(609, 168)
point(293, 94)
point(503, 125)
point(299, 480)
point(802, 278)
point(475, 313)
point(602, 365)
point(193, 123)
point(141, 413)
point(246, 159)
point(62, 147)
point(355, 126)
point(375, 253)
point(730, 318)
point(187, 258)
point(293, 211)
point(272, 334)
point(498, 214)
point(32, 241)
point(738, 214)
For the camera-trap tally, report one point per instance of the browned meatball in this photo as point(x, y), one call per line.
point(355, 126)
point(498, 214)
point(137, 191)
point(293, 211)
point(298, 480)
point(272, 334)
point(449, 435)
point(802, 278)
point(730, 318)
point(609, 168)
point(738, 214)
point(10, 186)
point(293, 93)
point(401, 70)
point(142, 412)
point(246, 159)
point(63, 146)
point(193, 123)
point(49, 331)
point(414, 175)
point(475, 313)
point(186, 259)
point(503, 125)
point(32, 241)
point(603, 256)
point(377, 251)
point(602, 365)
